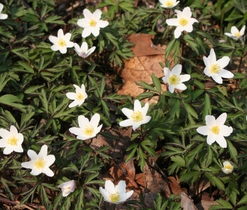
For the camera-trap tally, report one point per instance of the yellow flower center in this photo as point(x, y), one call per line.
point(114, 197)
point(12, 141)
point(92, 23)
point(40, 163)
point(215, 129)
point(169, 3)
point(137, 116)
point(229, 167)
point(174, 80)
point(183, 21)
point(79, 96)
point(89, 130)
point(237, 34)
point(61, 42)
point(215, 68)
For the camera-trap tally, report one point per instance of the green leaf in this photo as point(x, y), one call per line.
point(223, 205)
point(12, 101)
point(233, 151)
point(156, 83)
point(243, 200)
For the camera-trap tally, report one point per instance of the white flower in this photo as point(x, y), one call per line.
point(215, 130)
point(87, 129)
point(11, 140)
point(168, 3)
point(78, 96)
point(235, 33)
point(115, 194)
point(215, 68)
point(137, 116)
point(91, 23)
point(228, 167)
point(183, 22)
point(174, 79)
point(67, 187)
point(61, 42)
point(83, 51)
point(2, 16)
point(39, 163)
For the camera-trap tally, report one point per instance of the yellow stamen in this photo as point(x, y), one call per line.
point(12, 141)
point(89, 130)
point(40, 163)
point(137, 116)
point(237, 34)
point(183, 21)
point(215, 129)
point(61, 42)
point(79, 96)
point(229, 167)
point(174, 80)
point(169, 3)
point(114, 197)
point(92, 23)
point(215, 68)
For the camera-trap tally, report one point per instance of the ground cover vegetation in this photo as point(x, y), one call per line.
point(59, 76)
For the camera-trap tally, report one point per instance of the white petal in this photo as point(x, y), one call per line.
point(221, 119)
point(95, 31)
point(87, 14)
point(221, 141)
point(184, 78)
point(50, 159)
point(242, 30)
point(137, 105)
point(35, 172)
point(226, 74)
point(125, 196)
point(171, 88)
point(234, 30)
point(97, 14)
point(43, 151)
point(73, 104)
point(82, 121)
point(71, 95)
point(217, 78)
point(211, 139)
point(84, 23)
point(212, 56)
point(48, 172)
point(32, 154)
point(204, 130)
point(223, 62)
point(95, 120)
point(105, 194)
point(177, 69)
point(60, 33)
point(8, 150)
point(210, 120)
point(187, 12)
point(28, 164)
point(121, 187)
point(177, 32)
point(102, 23)
point(109, 186)
point(126, 123)
point(172, 22)
point(181, 86)
point(226, 130)
point(127, 112)
point(86, 32)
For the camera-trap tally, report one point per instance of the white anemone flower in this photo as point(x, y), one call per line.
point(183, 22)
point(227, 167)
point(115, 194)
point(83, 51)
point(174, 79)
point(11, 140)
point(215, 68)
point(168, 3)
point(215, 130)
point(61, 42)
point(91, 23)
point(87, 129)
point(78, 96)
point(2, 16)
point(39, 163)
point(137, 117)
point(235, 33)
point(67, 187)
